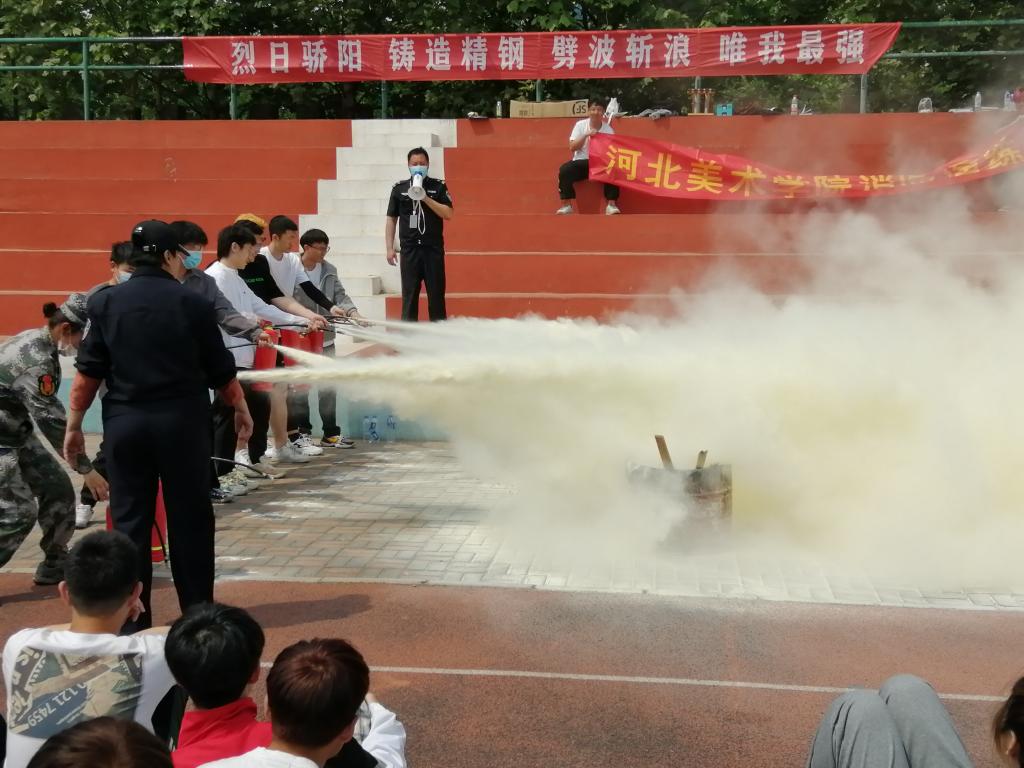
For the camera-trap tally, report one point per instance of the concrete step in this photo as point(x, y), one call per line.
point(383, 155)
point(347, 189)
point(344, 244)
point(445, 130)
point(361, 285)
point(376, 206)
point(407, 140)
point(342, 225)
point(390, 171)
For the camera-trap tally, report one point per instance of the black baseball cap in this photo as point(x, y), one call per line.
point(155, 236)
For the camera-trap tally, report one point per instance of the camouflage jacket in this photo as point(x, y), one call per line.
point(29, 380)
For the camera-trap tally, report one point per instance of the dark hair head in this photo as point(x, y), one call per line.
point(314, 237)
point(189, 232)
point(595, 101)
point(104, 742)
point(1010, 719)
point(281, 224)
point(314, 690)
point(417, 151)
point(212, 651)
point(121, 252)
point(238, 233)
point(248, 226)
point(101, 571)
point(55, 317)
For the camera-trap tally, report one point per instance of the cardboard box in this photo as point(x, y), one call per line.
point(576, 108)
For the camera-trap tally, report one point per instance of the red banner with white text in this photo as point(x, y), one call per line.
point(824, 49)
point(670, 170)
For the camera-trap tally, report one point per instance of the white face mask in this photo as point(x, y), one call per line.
point(123, 277)
point(64, 349)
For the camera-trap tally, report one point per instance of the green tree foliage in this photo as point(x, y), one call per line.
point(895, 85)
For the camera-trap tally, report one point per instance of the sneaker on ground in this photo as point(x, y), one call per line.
point(237, 477)
point(220, 496)
point(337, 442)
point(83, 516)
point(232, 488)
point(289, 454)
point(304, 444)
point(270, 455)
point(612, 209)
point(242, 457)
point(565, 210)
point(49, 572)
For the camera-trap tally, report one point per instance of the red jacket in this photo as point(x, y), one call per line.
point(214, 734)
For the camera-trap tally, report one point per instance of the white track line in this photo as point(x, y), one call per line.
point(635, 680)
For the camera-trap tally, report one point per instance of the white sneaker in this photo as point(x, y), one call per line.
point(612, 209)
point(83, 516)
point(305, 445)
point(232, 489)
point(565, 210)
point(289, 454)
point(270, 455)
point(242, 457)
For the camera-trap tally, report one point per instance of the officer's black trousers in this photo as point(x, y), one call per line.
point(423, 264)
point(578, 170)
point(166, 442)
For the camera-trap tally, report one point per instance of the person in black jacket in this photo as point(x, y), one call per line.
point(157, 346)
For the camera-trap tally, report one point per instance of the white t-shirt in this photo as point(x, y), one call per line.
point(261, 757)
point(580, 130)
point(288, 271)
point(57, 678)
point(249, 304)
point(315, 274)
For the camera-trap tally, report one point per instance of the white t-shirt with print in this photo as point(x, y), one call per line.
point(580, 130)
point(57, 678)
point(288, 271)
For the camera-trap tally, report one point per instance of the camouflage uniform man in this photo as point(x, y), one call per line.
point(29, 474)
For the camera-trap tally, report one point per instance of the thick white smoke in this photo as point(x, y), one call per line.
point(873, 417)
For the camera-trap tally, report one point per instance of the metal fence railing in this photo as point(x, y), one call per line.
point(86, 67)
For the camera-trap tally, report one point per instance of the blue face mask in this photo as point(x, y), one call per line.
point(192, 260)
point(420, 170)
point(124, 277)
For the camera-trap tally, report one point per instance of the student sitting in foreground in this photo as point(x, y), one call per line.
point(214, 652)
point(103, 743)
point(57, 677)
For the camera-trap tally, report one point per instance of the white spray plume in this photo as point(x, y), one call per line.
point(874, 417)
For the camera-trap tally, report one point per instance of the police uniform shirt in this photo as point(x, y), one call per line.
point(152, 339)
point(400, 206)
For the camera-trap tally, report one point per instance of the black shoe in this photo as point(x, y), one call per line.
point(217, 496)
point(48, 573)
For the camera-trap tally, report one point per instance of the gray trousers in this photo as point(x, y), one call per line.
point(903, 725)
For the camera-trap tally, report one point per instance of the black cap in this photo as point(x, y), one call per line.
point(155, 236)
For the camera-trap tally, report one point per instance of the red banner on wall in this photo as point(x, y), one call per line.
point(825, 49)
point(670, 170)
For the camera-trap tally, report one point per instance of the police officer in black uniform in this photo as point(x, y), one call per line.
point(157, 346)
point(421, 235)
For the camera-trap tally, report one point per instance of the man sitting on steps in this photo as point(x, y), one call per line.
point(578, 169)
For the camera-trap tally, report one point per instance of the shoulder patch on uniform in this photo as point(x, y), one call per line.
point(47, 385)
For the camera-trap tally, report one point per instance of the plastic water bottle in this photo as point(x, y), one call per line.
point(977, 101)
point(391, 429)
point(366, 428)
point(497, 109)
point(374, 435)
point(794, 106)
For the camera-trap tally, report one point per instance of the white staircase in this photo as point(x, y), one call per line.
point(351, 208)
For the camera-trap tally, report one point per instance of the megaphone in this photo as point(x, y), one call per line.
point(416, 191)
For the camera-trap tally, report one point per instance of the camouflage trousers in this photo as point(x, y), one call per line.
point(33, 485)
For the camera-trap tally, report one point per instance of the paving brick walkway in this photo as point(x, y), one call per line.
point(407, 512)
